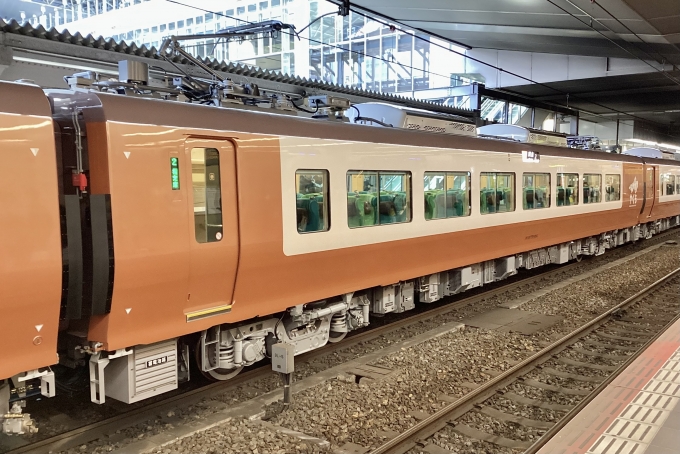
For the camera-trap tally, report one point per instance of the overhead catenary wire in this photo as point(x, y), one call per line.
point(315, 20)
point(375, 57)
point(676, 81)
point(354, 8)
point(631, 31)
point(218, 13)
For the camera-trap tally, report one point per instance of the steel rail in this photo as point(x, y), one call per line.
point(429, 426)
point(89, 432)
point(559, 425)
point(92, 431)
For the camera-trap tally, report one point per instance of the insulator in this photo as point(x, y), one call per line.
point(228, 87)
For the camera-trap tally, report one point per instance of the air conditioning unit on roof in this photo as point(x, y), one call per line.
point(522, 134)
point(650, 152)
point(387, 115)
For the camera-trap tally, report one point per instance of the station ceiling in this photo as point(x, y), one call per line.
point(644, 29)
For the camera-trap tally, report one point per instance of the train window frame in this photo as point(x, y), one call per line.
point(668, 180)
point(325, 216)
point(558, 184)
point(445, 179)
point(364, 208)
point(590, 176)
point(533, 175)
point(608, 184)
point(495, 203)
point(200, 192)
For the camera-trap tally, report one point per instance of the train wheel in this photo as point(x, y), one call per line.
point(222, 374)
point(336, 337)
point(215, 374)
point(338, 327)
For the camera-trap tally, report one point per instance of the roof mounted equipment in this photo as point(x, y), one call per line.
point(387, 115)
point(650, 152)
point(522, 134)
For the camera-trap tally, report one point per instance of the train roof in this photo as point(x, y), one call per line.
point(148, 111)
point(24, 99)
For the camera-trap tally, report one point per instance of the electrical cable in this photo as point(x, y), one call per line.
point(395, 21)
point(512, 73)
point(609, 39)
point(217, 13)
point(315, 20)
point(631, 31)
point(426, 71)
point(304, 110)
point(359, 117)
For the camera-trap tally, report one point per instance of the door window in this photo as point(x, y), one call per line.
point(205, 178)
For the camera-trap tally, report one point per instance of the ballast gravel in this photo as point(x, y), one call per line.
point(443, 365)
point(370, 412)
point(241, 437)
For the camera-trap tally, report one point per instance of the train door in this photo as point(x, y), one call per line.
point(649, 190)
point(214, 238)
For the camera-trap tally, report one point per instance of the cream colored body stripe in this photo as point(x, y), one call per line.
point(340, 156)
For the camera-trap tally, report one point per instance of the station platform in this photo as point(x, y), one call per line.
point(637, 413)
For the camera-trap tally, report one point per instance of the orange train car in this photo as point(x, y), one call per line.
point(190, 231)
point(30, 241)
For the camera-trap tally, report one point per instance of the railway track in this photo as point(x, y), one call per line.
point(105, 427)
point(615, 338)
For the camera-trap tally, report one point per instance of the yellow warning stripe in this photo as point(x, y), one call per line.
point(218, 310)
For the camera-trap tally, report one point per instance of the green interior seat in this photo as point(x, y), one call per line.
point(367, 207)
point(401, 206)
point(353, 215)
point(387, 209)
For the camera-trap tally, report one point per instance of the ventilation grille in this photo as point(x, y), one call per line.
point(547, 140)
point(155, 367)
point(440, 126)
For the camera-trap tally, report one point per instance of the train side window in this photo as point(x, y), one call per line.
point(536, 190)
point(668, 184)
point(378, 198)
point(612, 188)
point(447, 194)
point(592, 188)
point(567, 189)
point(311, 199)
point(205, 177)
point(497, 192)
point(394, 205)
point(671, 184)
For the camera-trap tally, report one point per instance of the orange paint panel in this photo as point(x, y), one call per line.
point(30, 244)
point(150, 232)
point(213, 263)
point(153, 232)
point(665, 210)
point(161, 272)
point(97, 153)
point(292, 280)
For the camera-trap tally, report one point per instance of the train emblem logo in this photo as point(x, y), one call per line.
point(633, 192)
